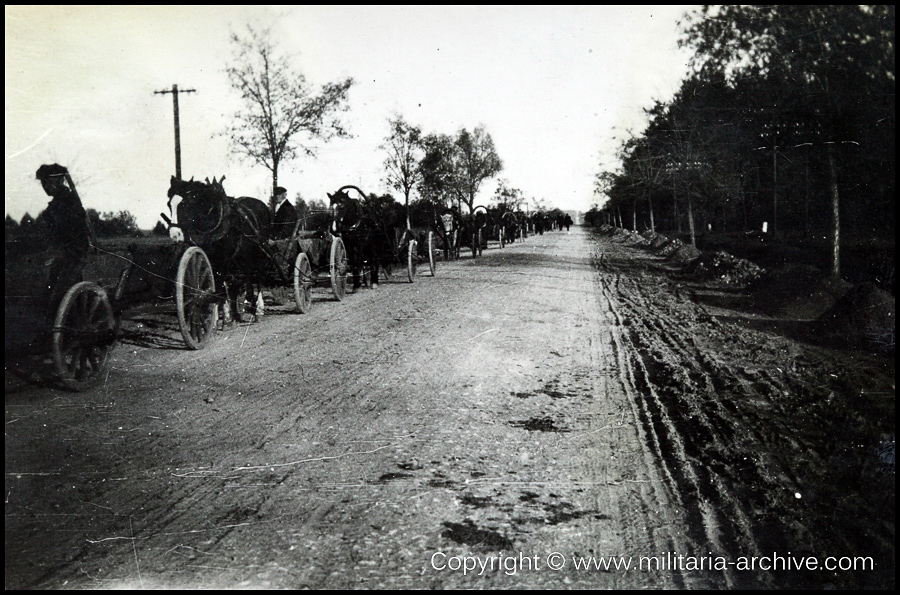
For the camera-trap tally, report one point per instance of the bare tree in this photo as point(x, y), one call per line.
point(405, 151)
point(281, 117)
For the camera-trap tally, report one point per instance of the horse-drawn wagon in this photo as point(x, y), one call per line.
point(378, 239)
point(229, 252)
point(79, 331)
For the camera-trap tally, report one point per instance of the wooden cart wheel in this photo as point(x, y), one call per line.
point(502, 241)
point(338, 268)
point(412, 259)
point(303, 282)
point(84, 334)
point(195, 298)
point(432, 265)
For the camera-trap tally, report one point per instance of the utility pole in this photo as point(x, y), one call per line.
point(175, 91)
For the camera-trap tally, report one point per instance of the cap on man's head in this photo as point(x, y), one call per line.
point(48, 171)
point(279, 190)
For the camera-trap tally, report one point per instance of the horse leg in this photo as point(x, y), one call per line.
point(373, 270)
point(260, 302)
point(237, 295)
point(227, 313)
point(257, 305)
point(357, 265)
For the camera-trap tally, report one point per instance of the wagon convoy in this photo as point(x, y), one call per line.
point(224, 248)
point(377, 239)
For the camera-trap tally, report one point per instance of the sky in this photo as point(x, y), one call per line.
point(556, 87)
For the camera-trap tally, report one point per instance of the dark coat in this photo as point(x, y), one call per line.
point(66, 223)
point(285, 221)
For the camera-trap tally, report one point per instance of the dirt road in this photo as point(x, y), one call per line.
point(565, 395)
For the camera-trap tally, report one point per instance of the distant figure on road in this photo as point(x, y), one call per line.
point(568, 222)
point(65, 225)
point(285, 215)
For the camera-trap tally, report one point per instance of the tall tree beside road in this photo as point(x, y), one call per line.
point(474, 161)
point(282, 116)
point(839, 61)
point(405, 151)
point(436, 168)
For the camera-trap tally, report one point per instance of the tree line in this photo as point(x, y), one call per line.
point(104, 225)
point(785, 124)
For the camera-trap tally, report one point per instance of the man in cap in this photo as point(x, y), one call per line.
point(285, 215)
point(66, 226)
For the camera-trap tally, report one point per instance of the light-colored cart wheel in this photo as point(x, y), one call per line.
point(303, 282)
point(432, 264)
point(338, 269)
point(502, 239)
point(84, 335)
point(195, 298)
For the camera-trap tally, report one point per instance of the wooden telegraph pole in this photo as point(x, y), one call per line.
point(175, 91)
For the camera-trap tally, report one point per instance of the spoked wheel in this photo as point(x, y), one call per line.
point(432, 265)
point(412, 260)
point(303, 282)
point(195, 298)
point(338, 268)
point(84, 334)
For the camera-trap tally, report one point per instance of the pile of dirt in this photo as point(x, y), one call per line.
point(618, 234)
point(658, 241)
point(684, 254)
point(636, 239)
point(863, 317)
point(669, 248)
point(721, 267)
point(797, 292)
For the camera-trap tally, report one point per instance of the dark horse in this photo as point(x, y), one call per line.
point(231, 231)
point(368, 232)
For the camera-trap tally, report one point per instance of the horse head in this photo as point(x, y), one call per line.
point(480, 216)
point(345, 210)
point(195, 206)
